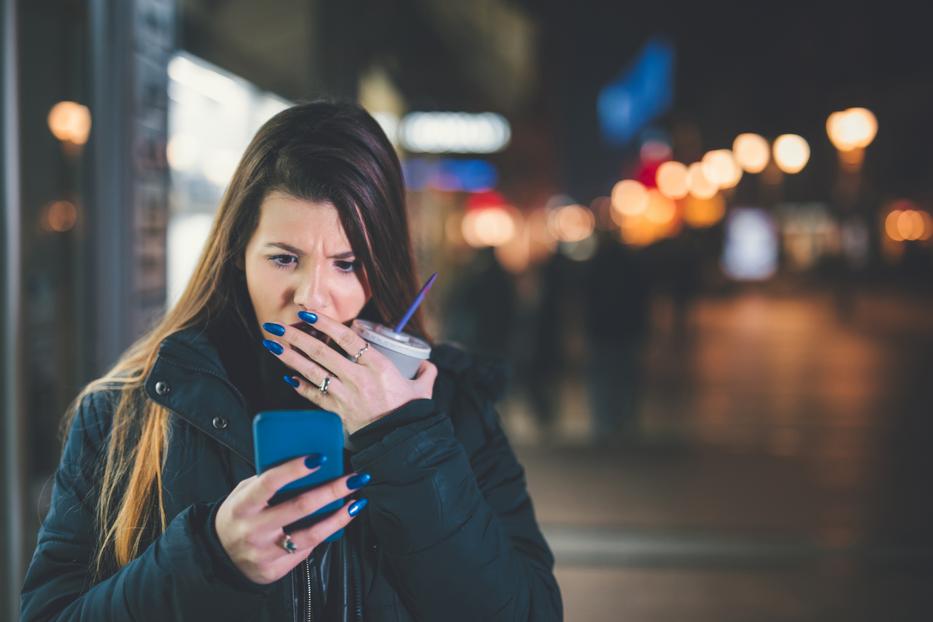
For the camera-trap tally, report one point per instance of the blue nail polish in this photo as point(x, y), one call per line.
point(315, 460)
point(275, 329)
point(291, 381)
point(356, 506)
point(273, 347)
point(358, 481)
point(308, 317)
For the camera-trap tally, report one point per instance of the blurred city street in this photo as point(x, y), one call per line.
point(781, 472)
point(689, 247)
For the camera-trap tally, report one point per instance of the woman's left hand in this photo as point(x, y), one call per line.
point(360, 392)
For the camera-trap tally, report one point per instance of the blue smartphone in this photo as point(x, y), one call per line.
point(281, 435)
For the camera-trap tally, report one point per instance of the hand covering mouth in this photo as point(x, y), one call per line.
point(310, 330)
point(307, 328)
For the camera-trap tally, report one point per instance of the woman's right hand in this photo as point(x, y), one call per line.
point(251, 531)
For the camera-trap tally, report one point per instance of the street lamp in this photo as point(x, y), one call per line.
point(851, 131)
point(751, 152)
point(791, 153)
point(721, 168)
point(698, 184)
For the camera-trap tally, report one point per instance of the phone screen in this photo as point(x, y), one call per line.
point(281, 435)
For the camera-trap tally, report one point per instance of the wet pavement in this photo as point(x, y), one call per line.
point(781, 470)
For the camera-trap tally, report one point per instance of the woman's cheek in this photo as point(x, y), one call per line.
point(349, 300)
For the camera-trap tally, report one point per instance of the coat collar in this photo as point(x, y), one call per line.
point(189, 379)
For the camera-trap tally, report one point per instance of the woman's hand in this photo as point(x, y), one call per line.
point(251, 531)
point(360, 392)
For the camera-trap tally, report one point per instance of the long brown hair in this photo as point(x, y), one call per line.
point(319, 151)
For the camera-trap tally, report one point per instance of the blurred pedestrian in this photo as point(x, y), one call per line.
point(617, 302)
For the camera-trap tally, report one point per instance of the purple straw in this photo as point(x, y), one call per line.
point(414, 305)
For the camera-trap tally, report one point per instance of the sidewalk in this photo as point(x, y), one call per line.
point(782, 473)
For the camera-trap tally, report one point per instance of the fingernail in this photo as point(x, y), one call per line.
point(308, 317)
point(273, 347)
point(356, 506)
point(313, 461)
point(275, 329)
point(358, 481)
point(290, 381)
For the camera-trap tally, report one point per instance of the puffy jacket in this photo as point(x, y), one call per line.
point(449, 533)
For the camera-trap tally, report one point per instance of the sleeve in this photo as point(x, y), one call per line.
point(175, 577)
point(458, 530)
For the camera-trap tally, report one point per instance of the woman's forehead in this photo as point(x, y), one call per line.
point(300, 223)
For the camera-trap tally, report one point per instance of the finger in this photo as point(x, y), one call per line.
point(283, 562)
point(425, 376)
point(311, 501)
point(294, 358)
point(310, 346)
point(257, 493)
point(312, 392)
point(344, 337)
point(317, 533)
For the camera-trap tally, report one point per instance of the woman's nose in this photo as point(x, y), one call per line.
point(311, 293)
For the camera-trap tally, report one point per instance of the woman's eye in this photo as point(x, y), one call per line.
point(345, 266)
point(282, 261)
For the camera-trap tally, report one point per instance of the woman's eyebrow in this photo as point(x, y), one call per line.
point(299, 252)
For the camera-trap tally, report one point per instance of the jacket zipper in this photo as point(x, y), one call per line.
point(310, 601)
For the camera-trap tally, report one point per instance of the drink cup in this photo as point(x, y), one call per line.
point(404, 350)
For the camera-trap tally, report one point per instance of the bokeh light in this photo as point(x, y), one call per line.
point(70, 122)
point(572, 223)
point(59, 216)
point(908, 225)
point(672, 180)
point(752, 152)
point(720, 167)
point(629, 197)
point(661, 210)
point(700, 186)
point(854, 128)
point(454, 132)
point(704, 212)
point(660, 219)
point(490, 226)
point(791, 153)
point(515, 255)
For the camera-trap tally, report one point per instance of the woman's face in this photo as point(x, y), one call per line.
point(299, 258)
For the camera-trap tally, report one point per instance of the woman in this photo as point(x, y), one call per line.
point(156, 512)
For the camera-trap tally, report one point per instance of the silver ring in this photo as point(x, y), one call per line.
point(324, 385)
point(356, 357)
point(288, 545)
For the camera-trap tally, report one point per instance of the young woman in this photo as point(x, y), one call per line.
point(157, 513)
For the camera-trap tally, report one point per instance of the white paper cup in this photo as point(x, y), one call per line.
point(404, 350)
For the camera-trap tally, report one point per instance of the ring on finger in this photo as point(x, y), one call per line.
point(324, 384)
point(288, 545)
point(356, 357)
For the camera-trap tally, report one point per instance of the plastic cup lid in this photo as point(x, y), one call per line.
point(385, 337)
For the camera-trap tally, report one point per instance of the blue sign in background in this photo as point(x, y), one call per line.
point(642, 93)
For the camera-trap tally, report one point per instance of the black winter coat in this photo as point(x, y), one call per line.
point(449, 533)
